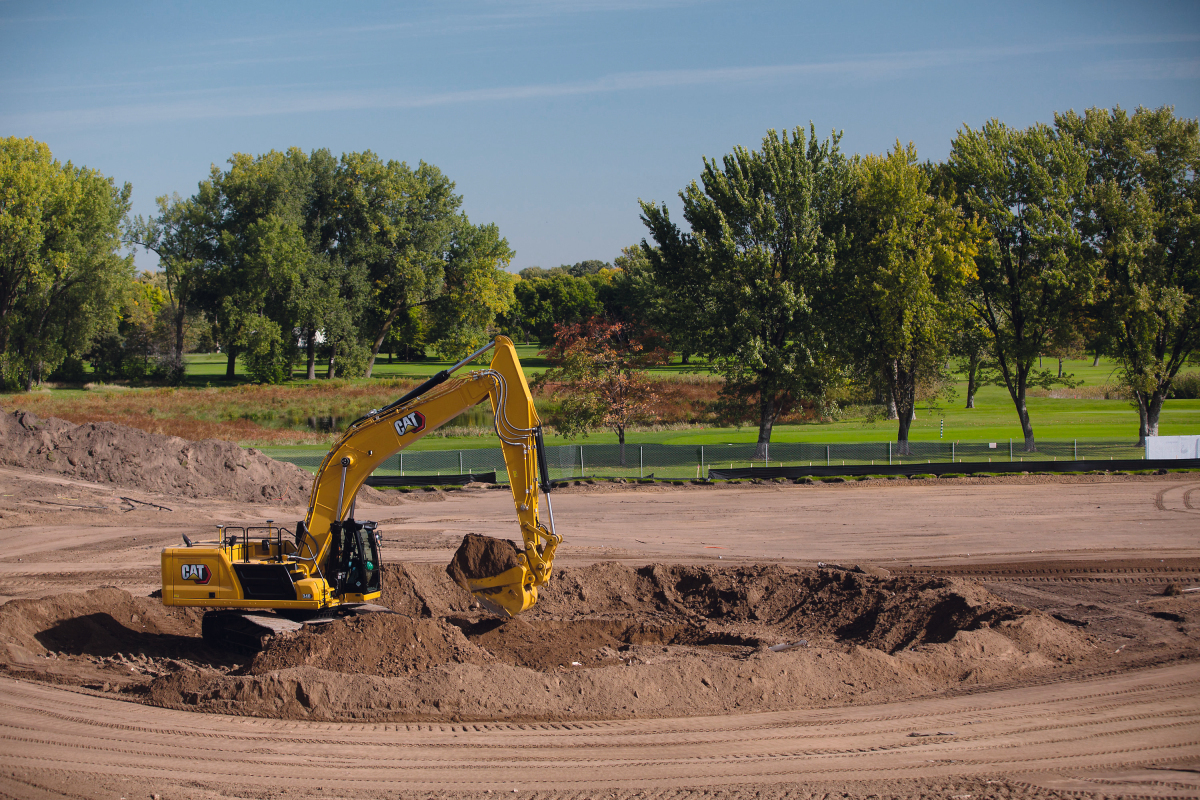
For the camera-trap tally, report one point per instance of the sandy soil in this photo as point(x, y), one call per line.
point(1018, 642)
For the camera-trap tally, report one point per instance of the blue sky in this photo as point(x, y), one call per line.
point(554, 118)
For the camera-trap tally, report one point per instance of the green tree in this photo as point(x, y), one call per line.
point(476, 288)
point(138, 348)
point(1142, 219)
point(61, 272)
point(184, 239)
point(533, 273)
point(910, 255)
point(750, 273)
point(542, 303)
point(404, 226)
point(585, 268)
point(255, 209)
point(1033, 275)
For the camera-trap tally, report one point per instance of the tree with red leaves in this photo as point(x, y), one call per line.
point(600, 375)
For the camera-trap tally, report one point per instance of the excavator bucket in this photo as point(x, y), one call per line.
point(496, 572)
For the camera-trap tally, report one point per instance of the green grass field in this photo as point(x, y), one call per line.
point(209, 368)
point(1073, 414)
point(993, 419)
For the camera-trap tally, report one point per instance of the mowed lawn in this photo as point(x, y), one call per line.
point(210, 367)
point(994, 417)
point(1069, 414)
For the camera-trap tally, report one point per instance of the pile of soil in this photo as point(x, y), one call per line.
point(101, 637)
point(482, 557)
point(372, 644)
point(105, 452)
point(605, 641)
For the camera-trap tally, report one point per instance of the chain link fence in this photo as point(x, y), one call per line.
point(576, 461)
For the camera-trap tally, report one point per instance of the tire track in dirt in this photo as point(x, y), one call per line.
point(1161, 499)
point(749, 723)
point(1108, 723)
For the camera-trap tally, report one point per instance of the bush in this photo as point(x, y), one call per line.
point(263, 351)
point(1186, 387)
point(131, 356)
point(70, 371)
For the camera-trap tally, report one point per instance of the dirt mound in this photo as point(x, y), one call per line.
point(550, 645)
point(371, 644)
point(105, 452)
point(482, 557)
point(606, 641)
point(104, 637)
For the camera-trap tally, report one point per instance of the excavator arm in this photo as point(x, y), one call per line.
point(384, 432)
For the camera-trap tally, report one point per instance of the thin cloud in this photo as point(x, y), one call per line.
point(275, 100)
point(508, 15)
point(42, 20)
point(1146, 69)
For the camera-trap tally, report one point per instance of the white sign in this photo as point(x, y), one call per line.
point(1173, 447)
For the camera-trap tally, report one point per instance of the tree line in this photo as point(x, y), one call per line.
point(802, 269)
point(798, 272)
point(276, 259)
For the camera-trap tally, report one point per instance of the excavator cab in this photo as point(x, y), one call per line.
point(354, 558)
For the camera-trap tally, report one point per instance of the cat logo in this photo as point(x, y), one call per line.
point(413, 422)
point(200, 573)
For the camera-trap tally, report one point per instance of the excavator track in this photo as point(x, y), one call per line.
point(245, 633)
point(248, 632)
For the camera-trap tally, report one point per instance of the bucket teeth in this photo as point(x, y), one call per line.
point(492, 607)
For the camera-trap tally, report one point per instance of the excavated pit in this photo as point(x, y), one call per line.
point(605, 641)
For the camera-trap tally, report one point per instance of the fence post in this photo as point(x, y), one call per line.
point(581, 472)
point(460, 472)
point(1010, 449)
point(641, 461)
point(827, 455)
point(889, 454)
point(952, 452)
point(701, 457)
point(1076, 449)
point(401, 463)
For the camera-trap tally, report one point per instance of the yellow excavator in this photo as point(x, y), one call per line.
point(260, 580)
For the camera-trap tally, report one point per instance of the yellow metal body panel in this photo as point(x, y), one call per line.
point(364, 447)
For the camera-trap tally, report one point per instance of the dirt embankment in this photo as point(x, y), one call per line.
point(105, 452)
point(605, 641)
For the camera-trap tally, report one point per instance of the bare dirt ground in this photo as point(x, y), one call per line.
point(1001, 637)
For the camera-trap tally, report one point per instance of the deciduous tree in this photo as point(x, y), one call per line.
point(752, 270)
point(1142, 220)
point(1033, 274)
point(61, 272)
point(600, 376)
point(540, 304)
point(184, 238)
point(910, 255)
